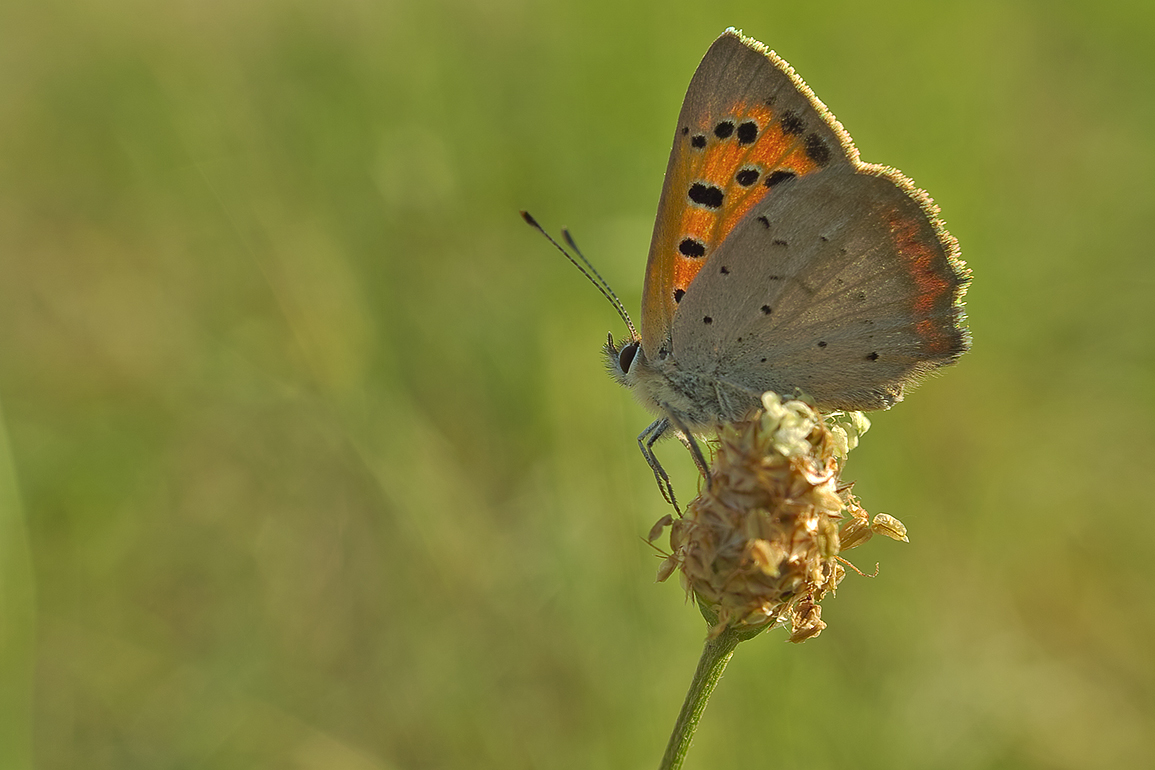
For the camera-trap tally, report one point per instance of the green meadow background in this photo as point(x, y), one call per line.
point(307, 455)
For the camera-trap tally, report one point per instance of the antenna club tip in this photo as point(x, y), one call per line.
point(530, 220)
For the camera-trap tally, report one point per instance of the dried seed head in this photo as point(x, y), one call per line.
point(760, 546)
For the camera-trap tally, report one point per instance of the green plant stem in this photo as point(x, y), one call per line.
point(715, 655)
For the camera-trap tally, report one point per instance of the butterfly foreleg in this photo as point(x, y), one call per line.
point(646, 441)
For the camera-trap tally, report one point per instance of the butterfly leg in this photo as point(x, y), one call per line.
point(646, 441)
point(687, 438)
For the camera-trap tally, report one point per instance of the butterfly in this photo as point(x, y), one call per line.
point(780, 261)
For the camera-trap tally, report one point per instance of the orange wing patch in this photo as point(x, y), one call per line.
point(734, 163)
point(928, 280)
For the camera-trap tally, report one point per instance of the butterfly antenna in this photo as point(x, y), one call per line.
point(586, 269)
point(605, 284)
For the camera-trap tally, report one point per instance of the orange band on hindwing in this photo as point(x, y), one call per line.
point(931, 285)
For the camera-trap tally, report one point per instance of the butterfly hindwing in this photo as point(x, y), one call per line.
point(840, 284)
point(747, 126)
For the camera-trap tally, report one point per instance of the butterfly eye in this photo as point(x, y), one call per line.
point(626, 356)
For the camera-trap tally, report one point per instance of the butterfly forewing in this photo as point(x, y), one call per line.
point(748, 126)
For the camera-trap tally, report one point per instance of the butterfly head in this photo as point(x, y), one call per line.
point(624, 359)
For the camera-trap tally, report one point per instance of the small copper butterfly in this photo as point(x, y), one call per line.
point(780, 261)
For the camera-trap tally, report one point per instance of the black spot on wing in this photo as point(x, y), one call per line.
point(817, 150)
point(723, 129)
point(691, 247)
point(706, 195)
point(747, 132)
point(792, 125)
point(747, 176)
point(678, 294)
point(778, 177)
point(698, 141)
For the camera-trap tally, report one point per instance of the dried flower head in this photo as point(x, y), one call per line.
point(760, 545)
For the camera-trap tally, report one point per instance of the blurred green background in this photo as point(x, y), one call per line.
point(307, 455)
